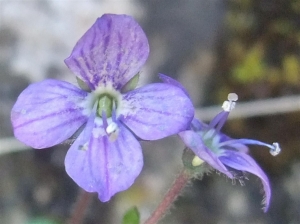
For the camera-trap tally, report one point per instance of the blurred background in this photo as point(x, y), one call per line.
point(214, 47)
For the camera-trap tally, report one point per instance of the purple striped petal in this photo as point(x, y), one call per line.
point(112, 51)
point(97, 164)
point(169, 80)
point(195, 143)
point(243, 162)
point(156, 111)
point(48, 112)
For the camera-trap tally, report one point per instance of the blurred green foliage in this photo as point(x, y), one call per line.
point(41, 220)
point(252, 67)
point(261, 49)
point(260, 59)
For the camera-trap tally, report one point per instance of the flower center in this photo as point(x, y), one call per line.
point(211, 140)
point(108, 102)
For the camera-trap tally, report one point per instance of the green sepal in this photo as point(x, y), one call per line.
point(131, 84)
point(83, 85)
point(105, 104)
point(132, 216)
point(187, 159)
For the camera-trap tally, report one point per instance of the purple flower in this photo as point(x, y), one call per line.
point(220, 151)
point(106, 157)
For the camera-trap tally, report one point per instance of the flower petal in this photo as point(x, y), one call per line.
point(243, 162)
point(48, 112)
point(112, 51)
point(169, 80)
point(198, 125)
point(99, 165)
point(195, 143)
point(156, 111)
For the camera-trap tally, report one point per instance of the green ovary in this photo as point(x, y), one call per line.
point(105, 104)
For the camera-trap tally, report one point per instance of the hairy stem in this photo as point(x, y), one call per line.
point(80, 207)
point(175, 190)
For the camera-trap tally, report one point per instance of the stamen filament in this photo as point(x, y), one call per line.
point(274, 148)
point(112, 129)
point(219, 120)
point(216, 120)
point(114, 115)
point(104, 118)
point(222, 121)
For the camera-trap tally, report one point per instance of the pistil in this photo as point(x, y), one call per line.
point(105, 104)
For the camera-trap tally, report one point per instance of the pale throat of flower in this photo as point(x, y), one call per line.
point(211, 134)
point(107, 102)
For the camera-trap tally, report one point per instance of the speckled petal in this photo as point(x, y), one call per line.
point(243, 162)
point(111, 51)
point(156, 111)
point(48, 112)
point(195, 143)
point(99, 165)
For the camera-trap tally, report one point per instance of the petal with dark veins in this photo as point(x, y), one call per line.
point(156, 111)
point(100, 165)
point(48, 112)
point(112, 51)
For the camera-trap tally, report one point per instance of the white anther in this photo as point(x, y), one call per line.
point(197, 161)
point(229, 104)
point(275, 150)
point(232, 97)
point(111, 128)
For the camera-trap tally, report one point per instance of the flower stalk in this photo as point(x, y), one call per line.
point(80, 207)
point(172, 194)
